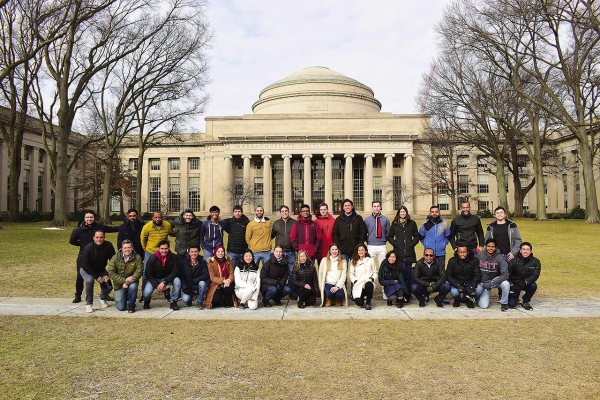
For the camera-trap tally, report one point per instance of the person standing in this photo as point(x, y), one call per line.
point(435, 233)
point(186, 227)
point(94, 259)
point(81, 237)
point(258, 236)
point(305, 234)
point(211, 232)
point(466, 230)
point(403, 237)
point(281, 232)
point(153, 233)
point(125, 270)
point(506, 234)
point(236, 229)
point(378, 227)
point(349, 230)
point(325, 222)
point(131, 230)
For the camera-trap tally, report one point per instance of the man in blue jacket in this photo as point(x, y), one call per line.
point(435, 234)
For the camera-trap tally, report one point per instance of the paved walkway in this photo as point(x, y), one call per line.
point(543, 308)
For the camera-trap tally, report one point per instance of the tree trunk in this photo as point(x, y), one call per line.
point(14, 171)
point(587, 166)
point(518, 197)
point(138, 180)
point(106, 192)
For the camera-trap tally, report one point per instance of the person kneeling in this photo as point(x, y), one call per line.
point(193, 272)
point(273, 277)
point(392, 280)
point(220, 292)
point(464, 275)
point(524, 272)
point(247, 281)
point(162, 270)
point(125, 270)
point(430, 277)
point(332, 278)
point(494, 274)
point(304, 280)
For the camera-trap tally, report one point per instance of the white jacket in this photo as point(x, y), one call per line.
point(361, 273)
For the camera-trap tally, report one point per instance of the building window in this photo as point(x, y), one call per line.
point(463, 184)
point(577, 188)
point(41, 154)
point(133, 192)
point(378, 188)
point(462, 161)
point(194, 193)
point(397, 190)
point(258, 164)
point(174, 193)
point(133, 164)
point(483, 185)
point(482, 162)
point(258, 190)
point(483, 203)
point(154, 195)
point(40, 192)
point(173, 164)
point(194, 164)
point(277, 184)
point(442, 162)
point(565, 192)
point(397, 163)
point(443, 202)
point(239, 187)
point(317, 172)
point(239, 164)
point(26, 190)
point(155, 164)
point(115, 204)
point(358, 178)
point(376, 162)
point(297, 185)
point(521, 161)
point(337, 173)
point(27, 153)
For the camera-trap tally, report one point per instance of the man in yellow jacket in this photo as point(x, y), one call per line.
point(258, 236)
point(152, 233)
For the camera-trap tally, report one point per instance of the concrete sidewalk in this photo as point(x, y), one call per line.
point(542, 308)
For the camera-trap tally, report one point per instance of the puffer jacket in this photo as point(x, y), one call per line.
point(130, 231)
point(247, 275)
point(466, 231)
point(83, 234)
point(325, 226)
point(273, 273)
point(191, 275)
point(186, 233)
point(119, 270)
point(95, 258)
point(523, 271)
point(349, 231)
point(463, 272)
point(404, 239)
point(305, 274)
point(236, 228)
point(424, 274)
point(305, 235)
point(435, 234)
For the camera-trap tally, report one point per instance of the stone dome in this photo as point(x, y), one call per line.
point(316, 90)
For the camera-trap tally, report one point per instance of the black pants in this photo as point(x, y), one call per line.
point(79, 280)
point(366, 292)
point(223, 297)
point(307, 296)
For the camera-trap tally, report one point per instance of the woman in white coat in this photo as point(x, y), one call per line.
point(332, 278)
point(247, 281)
point(363, 275)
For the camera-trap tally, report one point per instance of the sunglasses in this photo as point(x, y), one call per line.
point(428, 255)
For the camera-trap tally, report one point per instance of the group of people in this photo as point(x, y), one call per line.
point(350, 253)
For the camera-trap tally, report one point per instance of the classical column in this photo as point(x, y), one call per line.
point(307, 179)
point(247, 158)
point(183, 178)
point(287, 180)
point(228, 171)
point(206, 181)
point(408, 178)
point(328, 180)
point(348, 189)
point(388, 183)
point(368, 181)
point(267, 182)
point(164, 180)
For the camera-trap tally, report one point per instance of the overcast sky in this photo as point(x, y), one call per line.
point(386, 45)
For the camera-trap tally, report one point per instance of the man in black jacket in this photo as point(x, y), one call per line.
point(349, 230)
point(194, 276)
point(236, 230)
point(463, 274)
point(466, 229)
point(162, 272)
point(94, 259)
point(131, 229)
point(429, 277)
point(524, 271)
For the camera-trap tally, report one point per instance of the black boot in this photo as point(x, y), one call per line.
point(456, 302)
point(77, 298)
point(174, 306)
point(400, 302)
point(146, 304)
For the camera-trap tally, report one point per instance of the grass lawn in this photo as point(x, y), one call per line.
point(103, 358)
point(44, 262)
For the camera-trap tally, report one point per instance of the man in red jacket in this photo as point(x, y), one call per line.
point(325, 223)
point(305, 234)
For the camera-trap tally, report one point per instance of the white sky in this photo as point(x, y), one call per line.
point(387, 45)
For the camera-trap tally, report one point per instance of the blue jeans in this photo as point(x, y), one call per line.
point(126, 297)
point(273, 294)
point(420, 291)
point(208, 253)
point(235, 257)
point(149, 289)
point(200, 288)
point(327, 292)
point(482, 295)
point(347, 257)
point(261, 255)
point(441, 259)
point(291, 257)
point(513, 297)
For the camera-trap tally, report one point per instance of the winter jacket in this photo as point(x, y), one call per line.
point(83, 234)
point(361, 273)
point(403, 239)
point(119, 270)
point(463, 272)
point(236, 228)
point(371, 224)
point(514, 237)
point(523, 271)
point(493, 269)
point(349, 231)
point(306, 274)
point(131, 231)
point(466, 231)
point(211, 234)
point(325, 226)
point(305, 235)
point(281, 233)
point(94, 258)
point(247, 276)
point(273, 273)
point(424, 274)
point(434, 234)
point(341, 277)
point(186, 234)
point(191, 275)
point(153, 234)
point(216, 279)
point(156, 271)
point(391, 277)
point(258, 235)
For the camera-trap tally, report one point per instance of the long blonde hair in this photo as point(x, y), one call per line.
point(340, 259)
point(297, 262)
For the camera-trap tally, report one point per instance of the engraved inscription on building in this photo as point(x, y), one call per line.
point(316, 107)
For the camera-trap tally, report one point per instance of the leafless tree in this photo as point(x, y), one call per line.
point(400, 192)
point(241, 193)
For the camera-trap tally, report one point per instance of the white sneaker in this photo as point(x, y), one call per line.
point(88, 308)
point(103, 303)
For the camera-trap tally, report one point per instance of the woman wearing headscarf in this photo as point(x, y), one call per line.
point(220, 292)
